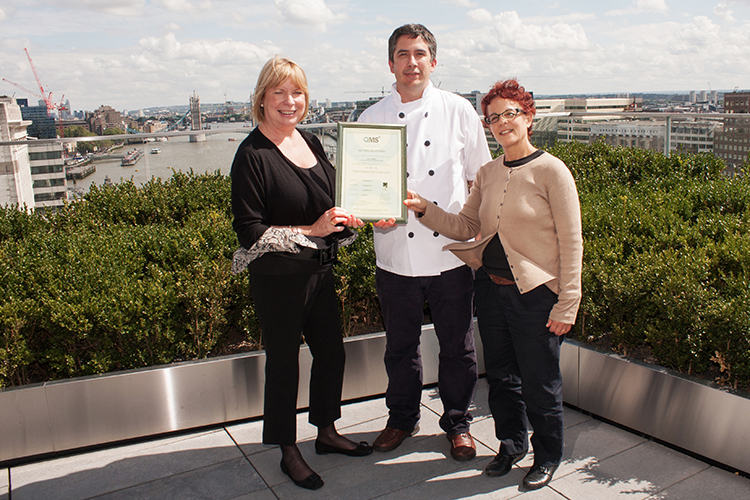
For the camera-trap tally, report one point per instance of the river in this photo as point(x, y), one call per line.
point(178, 153)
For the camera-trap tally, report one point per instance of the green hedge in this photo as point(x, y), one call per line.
point(137, 276)
point(666, 257)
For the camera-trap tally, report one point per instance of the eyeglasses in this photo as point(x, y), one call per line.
point(507, 115)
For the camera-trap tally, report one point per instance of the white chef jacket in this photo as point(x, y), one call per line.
point(446, 146)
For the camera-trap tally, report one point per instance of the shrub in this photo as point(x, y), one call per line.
point(136, 276)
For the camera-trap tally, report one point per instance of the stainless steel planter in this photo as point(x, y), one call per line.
point(66, 415)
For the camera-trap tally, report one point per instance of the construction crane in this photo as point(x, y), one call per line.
point(382, 91)
point(45, 95)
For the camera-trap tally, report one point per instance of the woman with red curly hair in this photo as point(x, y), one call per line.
point(524, 215)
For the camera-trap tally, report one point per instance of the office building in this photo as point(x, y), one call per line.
point(578, 128)
point(15, 175)
point(42, 125)
point(103, 118)
point(732, 144)
point(48, 175)
point(693, 136)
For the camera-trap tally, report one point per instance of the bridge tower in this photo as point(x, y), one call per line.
point(195, 118)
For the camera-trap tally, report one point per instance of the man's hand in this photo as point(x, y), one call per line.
point(385, 224)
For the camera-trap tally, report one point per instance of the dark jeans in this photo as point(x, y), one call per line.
point(402, 300)
point(289, 307)
point(522, 360)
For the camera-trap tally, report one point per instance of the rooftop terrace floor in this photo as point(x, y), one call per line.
point(600, 461)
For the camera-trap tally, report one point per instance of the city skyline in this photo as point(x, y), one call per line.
point(133, 54)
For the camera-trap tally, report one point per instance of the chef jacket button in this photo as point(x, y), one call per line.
point(431, 172)
point(401, 115)
point(436, 234)
point(426, 113)
point(411, 235)
point(435, 202)
point(427, 143)
point(407, 174)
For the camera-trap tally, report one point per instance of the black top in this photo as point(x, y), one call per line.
point(494, 260)
point(269, 190)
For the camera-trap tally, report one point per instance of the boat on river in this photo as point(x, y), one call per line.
point(131, 157)
point(155, 151)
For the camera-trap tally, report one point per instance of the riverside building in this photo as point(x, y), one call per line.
point(15, 175)
point(48, 175)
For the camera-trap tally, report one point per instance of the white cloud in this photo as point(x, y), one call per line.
point(460, 3)
point(3, 15)
point(640, 7)
point(479, 16)
point(160, 70)
point(723, 11)
point(186, 5)
point(173, 27)
point(651, 5)
point(310, 13)
point(208, 53)
point(237, 17)
point(114, 7)
point(510, 31)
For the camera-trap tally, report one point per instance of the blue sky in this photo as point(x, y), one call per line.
point(132, 54)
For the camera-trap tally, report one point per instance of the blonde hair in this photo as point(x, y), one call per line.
point(273, 74)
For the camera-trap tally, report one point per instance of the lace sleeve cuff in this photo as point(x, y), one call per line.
point(276, 239)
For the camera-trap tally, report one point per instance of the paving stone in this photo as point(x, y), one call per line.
point(266, 494)
point(573, 417)
point(588, 442)
point(4, 484)
point(100, 472)
point(637, 473)
point(471, 483)
point(362, 411)
point(413, 462)
point(248, 436)
point(222, 481)
point(708, 483)
point(600, 461)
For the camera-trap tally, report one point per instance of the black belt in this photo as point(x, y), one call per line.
point(329, 254)
point(322, 255)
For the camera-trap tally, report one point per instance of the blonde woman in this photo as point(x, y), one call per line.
point(289, 231)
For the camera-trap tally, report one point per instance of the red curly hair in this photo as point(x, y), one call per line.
point(513, 91)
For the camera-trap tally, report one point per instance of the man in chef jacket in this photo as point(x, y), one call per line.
point(446, 146)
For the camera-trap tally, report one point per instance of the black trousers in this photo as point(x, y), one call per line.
point(291, 307)
point(402, 300)
point(522, 360)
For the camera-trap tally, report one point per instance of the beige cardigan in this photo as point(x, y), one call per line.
point(534, 208)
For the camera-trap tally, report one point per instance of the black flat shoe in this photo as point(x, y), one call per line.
point(311, 482)
point(361, 450)
point(502, 464)
point(539, 477)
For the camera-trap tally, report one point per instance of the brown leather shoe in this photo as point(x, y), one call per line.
point(390, 438)
point(462, 447)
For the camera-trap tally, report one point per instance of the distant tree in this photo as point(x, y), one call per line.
point(82, 147)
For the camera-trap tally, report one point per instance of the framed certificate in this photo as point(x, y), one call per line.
point(371, 171)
